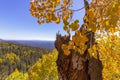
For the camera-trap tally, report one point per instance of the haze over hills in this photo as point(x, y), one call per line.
point(34, 43)
point(1, 40)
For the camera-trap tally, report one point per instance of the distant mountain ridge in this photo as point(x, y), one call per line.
point(34, 43)
point(1, 40)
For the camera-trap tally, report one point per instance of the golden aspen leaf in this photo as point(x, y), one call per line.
point(93, 54)
point(1, 60)
point(64, 17)
point(92, 5)
point(84, 40)
point(74, 28)
point(57, 20)
point(58, 1)
point(112, 30)
point(32, 4)
point(70, 11)
point(66, 29)
point(85, 18)
point(85, 24)
point(53, 9)
point(118, 10)
point(74, 47)
point(99, 19)
point(89, 29)
point(71, 43)
point(67, 52)
point(94, 47)
point(65, 22)
point(65, 49)
point(91, 13)
point(16, 71)
point(64, 46)
point(54, 18)
point(53, 3)
point(39, 22)
point(107, 23)
point(38, 3)
point(76, 21)
point(94, 28)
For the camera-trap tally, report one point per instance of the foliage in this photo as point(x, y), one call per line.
point(16, 75)
point(1, 60)
point(109, 51)
point(45, 68)
point(14, 56)
point(48, 10)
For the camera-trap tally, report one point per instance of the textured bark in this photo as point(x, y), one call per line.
point(76, 66)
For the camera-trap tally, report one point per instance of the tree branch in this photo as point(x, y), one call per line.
point(78, 9)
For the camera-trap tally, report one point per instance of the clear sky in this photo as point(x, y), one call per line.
point(16, 22)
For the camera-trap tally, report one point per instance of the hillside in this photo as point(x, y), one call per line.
point(35, 43)
point(44, 69)
point(14, 56)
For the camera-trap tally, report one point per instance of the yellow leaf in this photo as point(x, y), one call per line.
point(58, 20)
point(16, 72)
point(89, 29)
point(1, 60)
point(71, 43)
point(99, 19)
point(85, 18)
point(74, 26)
point(54, 3)
point(64, 18)
point(107, 23)
point(70, 11)
point(67, 52)
point(91, 13)
point(84, 40)
point(66, 28)
point(92, 5)
point(94, 48)
point(64, 46)
point(53, 9)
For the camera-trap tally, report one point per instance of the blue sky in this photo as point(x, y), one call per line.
point(16, 22)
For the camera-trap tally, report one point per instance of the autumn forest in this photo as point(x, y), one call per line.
point(87, 51)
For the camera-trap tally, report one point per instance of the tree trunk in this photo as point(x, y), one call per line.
point(77, 66)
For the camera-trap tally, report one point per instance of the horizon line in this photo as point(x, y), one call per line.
point(30, 39)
